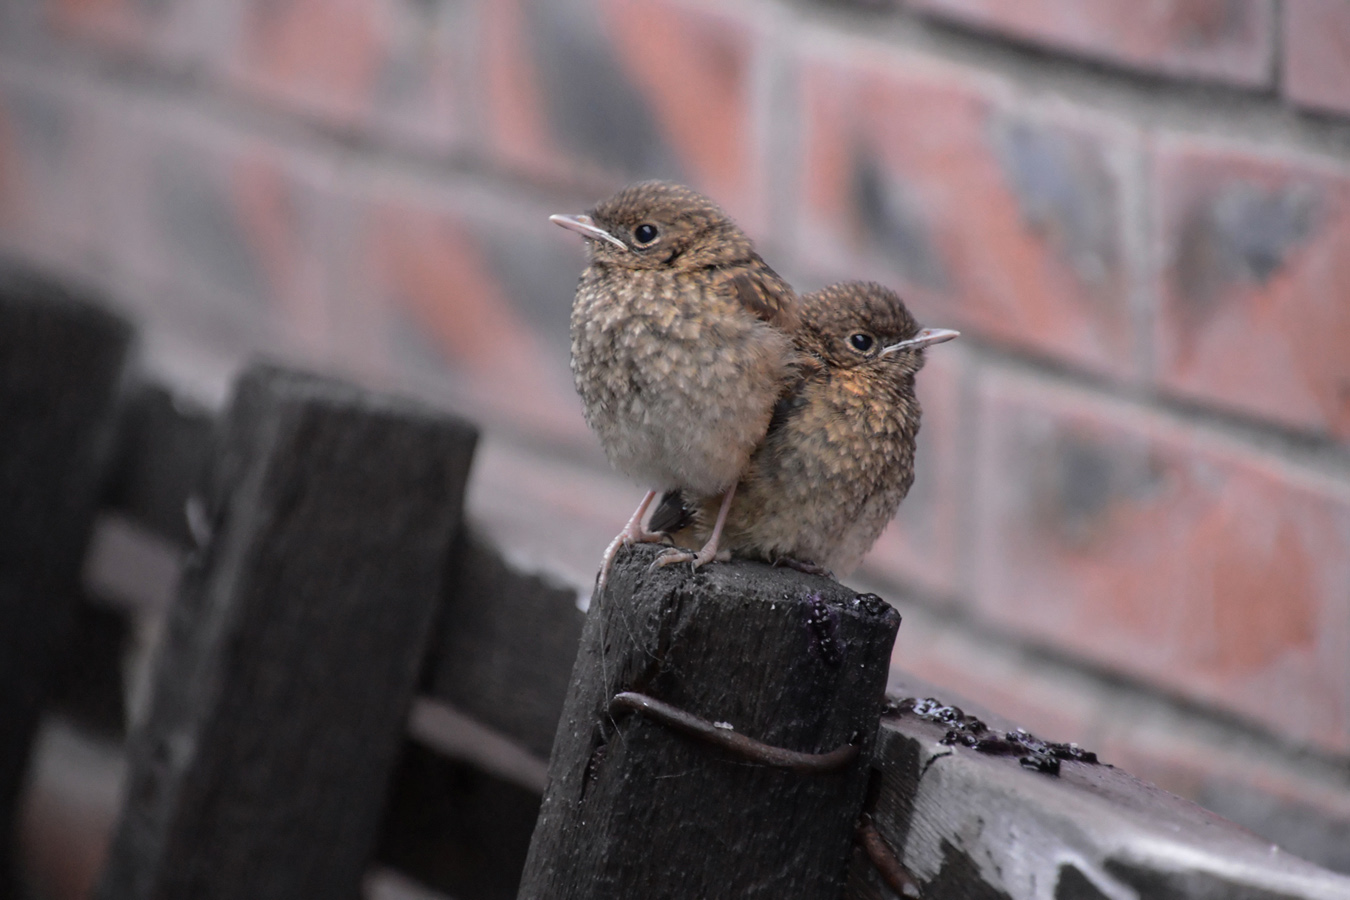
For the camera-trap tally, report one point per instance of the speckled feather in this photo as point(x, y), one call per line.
point(679, 350)
point(840, 457)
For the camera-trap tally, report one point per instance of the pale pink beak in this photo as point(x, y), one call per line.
point(586, 227)
point(925, 338)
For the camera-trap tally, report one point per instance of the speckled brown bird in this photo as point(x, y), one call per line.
point(839, 455)
point(680, 347)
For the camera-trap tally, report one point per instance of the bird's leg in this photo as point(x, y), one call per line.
point(709, 551)
point(633, 533)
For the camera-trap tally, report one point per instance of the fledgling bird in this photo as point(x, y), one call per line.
point(680, 348)
point(839, 454)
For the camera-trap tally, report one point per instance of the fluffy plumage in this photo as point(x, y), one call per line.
point(680, 341)
point(839, 457)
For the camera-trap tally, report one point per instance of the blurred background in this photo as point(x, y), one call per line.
point(1131, 524)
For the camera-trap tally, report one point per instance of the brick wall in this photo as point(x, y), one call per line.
point(1131, 525)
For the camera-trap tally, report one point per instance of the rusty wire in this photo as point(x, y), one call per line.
point(724, 737)
point(883, 858)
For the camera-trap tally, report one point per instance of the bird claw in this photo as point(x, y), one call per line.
point(620, 541)
point(671, 557)
point(709, 551)
point(633, 533)
point(676, 555)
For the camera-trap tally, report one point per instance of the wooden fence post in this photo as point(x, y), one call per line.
point(293, 651)
point(61, 364)
point(669, 790)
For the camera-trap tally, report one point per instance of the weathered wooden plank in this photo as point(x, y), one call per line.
point(163, 445)
point(457, 736)
point(457, 828)
point(383, 883)
point(293, 650)
point(637, 808)
point(61, 363)
point(972, 824)
point(505, 645)
point(463, 805)
point(90, 691)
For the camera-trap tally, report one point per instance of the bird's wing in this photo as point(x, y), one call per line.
point(766, 295)
point(807, 367)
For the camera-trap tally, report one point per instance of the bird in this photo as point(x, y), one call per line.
point(839, 455)
point(681, 345)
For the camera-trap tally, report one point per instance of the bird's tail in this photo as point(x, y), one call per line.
point(672, 514)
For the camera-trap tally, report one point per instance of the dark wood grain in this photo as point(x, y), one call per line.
point(636, 809)
point(61, 363)
point(293, 650)
point(456, 828)
point(505, 644)
point(162, 449)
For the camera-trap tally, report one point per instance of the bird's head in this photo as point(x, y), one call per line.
point(865, 328)
point(655, 224)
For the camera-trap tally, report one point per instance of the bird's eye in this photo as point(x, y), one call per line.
point(645, 234)
point(861, 342)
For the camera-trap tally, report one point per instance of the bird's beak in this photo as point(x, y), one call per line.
point(925, 338)
point(586, 227)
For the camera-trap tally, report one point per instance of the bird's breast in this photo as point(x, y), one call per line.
point(677, 382)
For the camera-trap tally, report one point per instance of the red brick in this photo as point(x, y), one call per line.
point(182, 32)
point(1197, 565)
point(1227, 40)
point(513, 105)
point(692, 64)
point(281, 207)
point(1317, 54)
point(50, 169)
point(1303, 808)
point(989, 212)
point(370, 64)
point(923, 545)
point(430, 272)
point(613, 90)
point(975, 672)
point(1255, 252)
point(1222, 777)
point(215, 235)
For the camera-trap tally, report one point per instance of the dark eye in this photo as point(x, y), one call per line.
point(645, 234)
point(861, 342)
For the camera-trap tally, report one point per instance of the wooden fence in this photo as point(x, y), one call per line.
point(355, 690)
